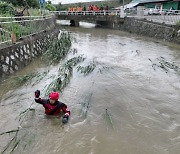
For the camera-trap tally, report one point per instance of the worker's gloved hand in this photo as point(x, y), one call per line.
point(37, 93)
point(65, 118)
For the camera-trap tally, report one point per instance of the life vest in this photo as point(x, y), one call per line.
point(53, 109)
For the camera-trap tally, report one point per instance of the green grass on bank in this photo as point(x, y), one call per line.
point(21, 28)
point(34, 12)
point(29, 12)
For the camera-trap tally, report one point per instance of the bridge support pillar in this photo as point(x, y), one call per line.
point(74, 23)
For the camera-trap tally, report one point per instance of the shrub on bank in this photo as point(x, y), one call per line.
point(6, 8)
point(18, 29)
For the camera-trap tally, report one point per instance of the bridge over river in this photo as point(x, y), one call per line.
point(102, 19)
point(107, 17)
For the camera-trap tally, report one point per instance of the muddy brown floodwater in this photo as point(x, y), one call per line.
point(128, 104)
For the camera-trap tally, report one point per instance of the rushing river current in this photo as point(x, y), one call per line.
point(128, 104)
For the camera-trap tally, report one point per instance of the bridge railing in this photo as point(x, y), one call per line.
point(171, 17)
point(167, 19)
point(100, 13)
point(162, 15)
point(14, 28)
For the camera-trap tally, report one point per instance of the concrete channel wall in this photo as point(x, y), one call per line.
point(16, 56)
point(170, 33)
point(141, 26)
point(151, 29)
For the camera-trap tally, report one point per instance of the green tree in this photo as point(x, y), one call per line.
point(60, 7)
point(30, 3)
point(49, 2)
point(50, 7)
point(6, 8)
point(33, 3)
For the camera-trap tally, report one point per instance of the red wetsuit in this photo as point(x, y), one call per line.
point(53, 109)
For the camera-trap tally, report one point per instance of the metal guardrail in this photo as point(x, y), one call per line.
point(17, 27)
point(171, 17)
point(167, 19)
point(152, 11)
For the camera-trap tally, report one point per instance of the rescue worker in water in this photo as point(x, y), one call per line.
point(52, 105)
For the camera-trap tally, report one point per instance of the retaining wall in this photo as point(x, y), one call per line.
point(143, 27)
point(17, 56)
point(150, 29)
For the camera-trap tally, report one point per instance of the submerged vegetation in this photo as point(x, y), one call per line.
point(86, 69)
point(55, 54)
point(165, 65)
point(57, 49)
point(20, 80)
point(64, 73)
point(85, 105)
point(13, 142)
point(108, 118)
point(17, 81)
